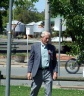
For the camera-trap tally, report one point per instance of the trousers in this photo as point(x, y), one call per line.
point(42, 76)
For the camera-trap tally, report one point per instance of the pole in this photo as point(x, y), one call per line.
point(59, 49)
point(27, 33)
point(47, 16)
point(27, 48)
point(8, 65)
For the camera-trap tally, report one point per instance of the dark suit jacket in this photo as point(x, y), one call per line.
point(35, 58)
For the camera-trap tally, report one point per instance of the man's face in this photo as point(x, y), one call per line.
point(45, 39)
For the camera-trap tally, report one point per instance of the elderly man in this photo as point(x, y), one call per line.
point(42, 65)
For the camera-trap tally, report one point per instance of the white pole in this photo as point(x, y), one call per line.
point(83, 71)
point(27, 33)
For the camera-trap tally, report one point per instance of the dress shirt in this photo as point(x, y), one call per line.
point(44, 56)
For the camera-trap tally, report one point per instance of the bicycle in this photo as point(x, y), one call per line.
point(72, 66)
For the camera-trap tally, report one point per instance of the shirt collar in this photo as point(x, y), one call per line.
point(43, 45)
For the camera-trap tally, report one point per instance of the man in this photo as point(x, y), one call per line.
point(42, 65)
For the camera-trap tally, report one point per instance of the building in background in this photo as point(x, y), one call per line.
point(35, 28)
point(18, 28)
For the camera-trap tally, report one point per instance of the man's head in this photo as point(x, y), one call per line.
point(45, 36)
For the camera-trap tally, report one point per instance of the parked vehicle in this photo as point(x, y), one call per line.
point(72, 66)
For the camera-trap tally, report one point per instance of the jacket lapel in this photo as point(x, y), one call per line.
point(48, 52)
point(39, 50)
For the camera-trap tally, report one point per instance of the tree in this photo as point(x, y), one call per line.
point(26, 12)
point(3, 7)
point(4, 4)
point(73, 12)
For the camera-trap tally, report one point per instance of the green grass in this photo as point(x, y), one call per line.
point(25, 91)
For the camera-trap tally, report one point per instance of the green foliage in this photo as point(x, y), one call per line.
point(73, 12)
point(5, 19)
point(4, 5)
point(34, 0)
point(24, 11)
point(27, 16)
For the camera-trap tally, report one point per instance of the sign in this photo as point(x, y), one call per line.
point(27, 31)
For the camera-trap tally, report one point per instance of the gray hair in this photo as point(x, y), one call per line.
point(45, 33)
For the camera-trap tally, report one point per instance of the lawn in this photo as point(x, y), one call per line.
point(25, 91)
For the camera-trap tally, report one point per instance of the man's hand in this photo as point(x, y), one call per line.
point(54, 75)
point(29, 76)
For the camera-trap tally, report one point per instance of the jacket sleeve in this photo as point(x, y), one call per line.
point(31, 59)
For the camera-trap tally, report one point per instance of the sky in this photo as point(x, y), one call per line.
point(40, 5)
